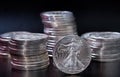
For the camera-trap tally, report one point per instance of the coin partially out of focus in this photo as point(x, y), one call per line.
point(105, 46)
point(57, 24)
point(71, 54)
point(28, 51)
point(5, 57)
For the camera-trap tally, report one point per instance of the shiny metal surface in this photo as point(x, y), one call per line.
point(56, 25)
point(105, 46)
point(28, 51)
point(71, 54)
point(30, 67)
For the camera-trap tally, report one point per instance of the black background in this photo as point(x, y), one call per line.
point(91, 15)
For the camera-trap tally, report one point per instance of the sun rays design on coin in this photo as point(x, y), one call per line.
point(71, 54)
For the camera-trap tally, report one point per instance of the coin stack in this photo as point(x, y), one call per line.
point(4, 52)
point(4, 41)
point(28, 51)
point(5, 57)
point(105, 46)
point(56, 25)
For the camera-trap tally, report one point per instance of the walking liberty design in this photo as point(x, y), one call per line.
point(71, 61)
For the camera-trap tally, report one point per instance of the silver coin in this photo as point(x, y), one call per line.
point(56, 38)
point(4, 49)
point(30, 57)
point(59, 26)
point(71, 54)
point(57, 16)
point(38, 45)
point(29, 38)
point(32, 62)
point(50, 43)
point(103, 43)
point(67, 28)
point(4, 41)
point(28, 50)
point(63, 33)
point(5, 55)
point(8, 35)
point(107, 58)
point(56, 25)
point(40, 61)
point(29, 67)
point(50, 48)
point(29, 61)
point(25, 52)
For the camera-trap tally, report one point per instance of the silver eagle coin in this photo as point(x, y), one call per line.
point(71, 54)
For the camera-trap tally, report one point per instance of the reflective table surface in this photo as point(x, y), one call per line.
point(95, 69)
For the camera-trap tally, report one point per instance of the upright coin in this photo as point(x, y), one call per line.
point(71, 54)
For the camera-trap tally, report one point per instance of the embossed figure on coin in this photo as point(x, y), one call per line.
point(71, 54)
point(72, 60)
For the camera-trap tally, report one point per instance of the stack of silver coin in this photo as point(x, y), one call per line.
point(105, 46)
point(4, 41)
point(5, 57)
point(28, 51)
point(56, 25)
point(4, 51)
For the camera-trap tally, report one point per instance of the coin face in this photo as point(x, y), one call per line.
point(71, 54)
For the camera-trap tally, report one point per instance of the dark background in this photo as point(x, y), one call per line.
point(91, 15)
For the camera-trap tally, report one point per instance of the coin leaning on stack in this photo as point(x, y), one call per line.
point(105, 46)
point(28, 51)
point(56, 25)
